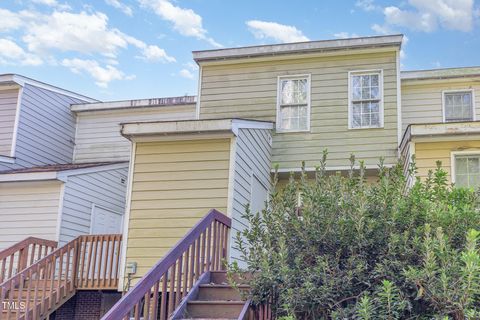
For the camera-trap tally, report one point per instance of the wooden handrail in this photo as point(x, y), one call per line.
point(161, 289)
point(23, 254)
point(87, 262)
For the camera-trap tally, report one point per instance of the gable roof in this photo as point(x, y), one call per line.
point(11, 78)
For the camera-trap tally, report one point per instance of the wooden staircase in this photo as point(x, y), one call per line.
point(89, 262)
point(214, 298)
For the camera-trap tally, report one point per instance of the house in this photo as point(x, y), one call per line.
point(257, 108)
point(36, 126)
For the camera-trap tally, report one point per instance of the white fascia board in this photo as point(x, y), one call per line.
point(446, 73)
point(21, 80)
point(28, 176)
point(449, 128)
point(164, 128)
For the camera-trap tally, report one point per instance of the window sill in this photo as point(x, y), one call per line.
point(366, 128)
point(292, 131)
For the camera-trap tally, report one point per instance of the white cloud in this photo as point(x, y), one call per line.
point(345, 35)
point(185, 73)
point(429, 15)
point(51, 3)
point(366, 5)
point(121, 6)
point(154, 54)
point(102, 75)
point(10, 20)
point(13, 53)
point(185, 21)
point(381, 29)
point(276, 31)
point(80, 32)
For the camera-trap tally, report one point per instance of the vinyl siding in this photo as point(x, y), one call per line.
point(98, 133)
point(8, 107)
point(422, 103)
point(252, 156)
point(427, 153)
point(28, 209)
point(46, 129)
point(103, 188)
point(249, 90)
point(175, 183)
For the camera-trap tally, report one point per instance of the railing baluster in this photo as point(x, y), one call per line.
point(209, 244)
point(105, 264)
point(214, 245)
point(197, 258)
point(111, 263)
point(100, 259)
point(179, 281)
point(146, 308)
point(192, 264)
point(117, 259)
point(171, 297)
point(185, 273)
point(163, 301)
point(155, 301)
point(202, 254)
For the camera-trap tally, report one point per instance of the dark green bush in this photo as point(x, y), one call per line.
point(358, 250)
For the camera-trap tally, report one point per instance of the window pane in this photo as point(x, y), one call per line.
point(287, 91)
point(458, 106)
point(461, 180)
point(473, 166)
point(374, 80)
point(461, 165)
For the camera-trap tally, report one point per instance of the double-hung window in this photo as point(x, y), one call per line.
point(293, 103)
point(458, 106)
point(467, 170)
point(365, 99)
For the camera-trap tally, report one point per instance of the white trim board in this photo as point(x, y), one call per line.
point(16, 123)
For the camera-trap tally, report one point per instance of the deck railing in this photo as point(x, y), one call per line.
point(160, 290)
point(87, 262)
point(23, 254)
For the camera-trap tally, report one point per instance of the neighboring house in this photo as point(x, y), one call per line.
point(36, 125)
point(98, 135)
point(440, 122)
point(61, 202)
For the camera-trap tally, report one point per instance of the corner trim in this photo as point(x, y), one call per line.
point(16, 123)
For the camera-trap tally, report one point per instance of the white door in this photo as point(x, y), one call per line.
point(259, 195)
point(105, 221)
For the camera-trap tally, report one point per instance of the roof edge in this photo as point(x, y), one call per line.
point(298, 47)
point(22, 80)
point(134, 103)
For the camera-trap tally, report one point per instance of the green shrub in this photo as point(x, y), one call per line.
point(359, 250)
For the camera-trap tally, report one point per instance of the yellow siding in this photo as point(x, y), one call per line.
point(28, 209)
point(427, 153)
point(422, 103)
point(175, 183)
point(249, 90)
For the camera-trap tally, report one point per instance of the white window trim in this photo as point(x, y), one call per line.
point(381, 105)
point(309, 86)
point(453, 154)
point(455, 91)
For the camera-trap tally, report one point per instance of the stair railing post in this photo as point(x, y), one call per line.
point(75, 262)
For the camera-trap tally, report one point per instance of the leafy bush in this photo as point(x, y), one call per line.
point(358, 250)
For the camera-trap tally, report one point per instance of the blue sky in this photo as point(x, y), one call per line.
point(129, 49)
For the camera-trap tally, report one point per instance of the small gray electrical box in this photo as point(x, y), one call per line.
point(131, 268)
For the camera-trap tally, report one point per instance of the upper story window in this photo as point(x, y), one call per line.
point(365, 99)
point(467, 170)
point(458, 106)
point(293, 103)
